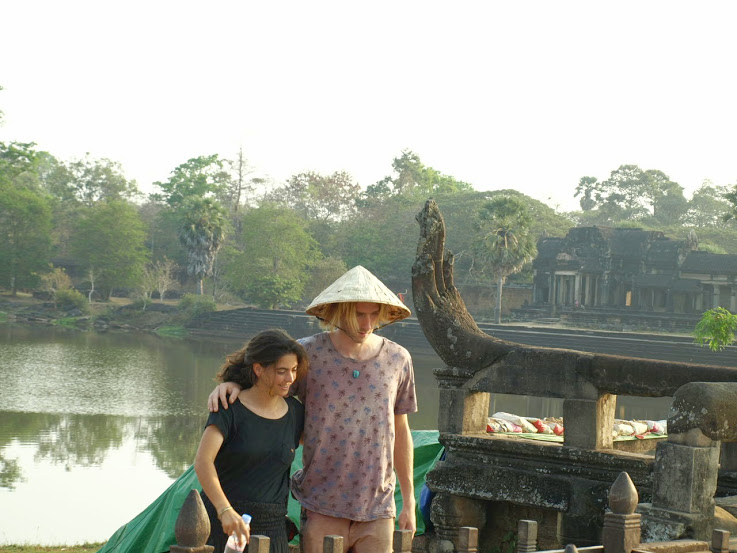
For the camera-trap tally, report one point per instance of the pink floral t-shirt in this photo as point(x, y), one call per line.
point(348, 453)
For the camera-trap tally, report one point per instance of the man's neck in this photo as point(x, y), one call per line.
point(355, 350)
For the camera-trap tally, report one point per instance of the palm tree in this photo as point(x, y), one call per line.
point(506, 243)
point(202, 233)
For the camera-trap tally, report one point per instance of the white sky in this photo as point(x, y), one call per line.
point(530, 95)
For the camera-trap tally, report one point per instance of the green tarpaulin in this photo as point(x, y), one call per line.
point(152, 531)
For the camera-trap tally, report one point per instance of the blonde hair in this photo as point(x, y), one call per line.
point(343, 316)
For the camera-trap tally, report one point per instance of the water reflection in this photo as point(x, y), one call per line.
point(111, 419)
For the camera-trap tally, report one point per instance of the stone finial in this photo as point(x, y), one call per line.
point(332, 544)
point(259, 544)
point(622, 530)
point(720, 541)
point(192, 527)
point(468, 539)
point(402, 541)
point(623, 495)
point(526, 536)
point(570, 548)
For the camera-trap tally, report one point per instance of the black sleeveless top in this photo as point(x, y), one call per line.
point(254, 461)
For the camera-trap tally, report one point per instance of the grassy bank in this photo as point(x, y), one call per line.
point(85, 548)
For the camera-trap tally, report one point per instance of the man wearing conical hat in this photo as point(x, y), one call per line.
point(357, 395)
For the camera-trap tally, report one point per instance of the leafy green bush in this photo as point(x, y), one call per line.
point(192, 305)
point(69, 299)
point(716, 329)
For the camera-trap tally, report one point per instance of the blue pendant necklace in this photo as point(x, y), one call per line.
point(356, 373)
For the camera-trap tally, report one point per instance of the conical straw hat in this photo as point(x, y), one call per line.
point(359, 285)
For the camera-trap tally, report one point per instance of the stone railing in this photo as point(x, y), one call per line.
point(622, 530)
point(192, 529)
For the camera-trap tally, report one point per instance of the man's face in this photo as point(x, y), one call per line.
point(367, 315)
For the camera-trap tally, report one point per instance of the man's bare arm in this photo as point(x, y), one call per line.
point(403, 466)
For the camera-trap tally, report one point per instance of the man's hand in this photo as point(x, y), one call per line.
point(408, 517)
point(225, 393)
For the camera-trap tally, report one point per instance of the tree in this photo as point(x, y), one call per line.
point(198, 177)
point(146, 285)
point(708, 206)
point(240, 186)
point(164, 271)
point(731, 197)
point(202, 233)
point(590, 193)
point(97, 180)
point(25, 235)
point(667, 203)
point(271, 261)
point(17, 158)
point(322, 198)
point(625, 193)
point(413, 178)
point(323, 273)
point(670, 207)
point(54, 281)
point(505, 244)
point(716, 328)
point(108, 240)
point(155, 276)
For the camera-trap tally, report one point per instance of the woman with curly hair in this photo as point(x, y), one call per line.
point(246, 451)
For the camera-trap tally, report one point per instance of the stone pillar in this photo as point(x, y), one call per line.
point(468, 540)
point(463, 412)
point(685, 477)
point(588, 423)
point(604, 292)
point(259, 544)
point(527, 536)
point(577, 289)
point(621, 533)
point(402, 541)
point(332, 544)
point(728, 457)
point(720, 541)
point(732, 299)
point(715, 296)
point(192, 527)
point(684, 483)
point(449, 513)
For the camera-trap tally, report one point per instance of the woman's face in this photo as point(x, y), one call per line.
point(279, 377)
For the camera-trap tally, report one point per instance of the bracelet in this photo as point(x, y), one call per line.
point(226, 509)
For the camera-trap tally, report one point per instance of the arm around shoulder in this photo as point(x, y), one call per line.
point(225, 393)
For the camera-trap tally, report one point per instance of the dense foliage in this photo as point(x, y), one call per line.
point(716, 329)
point(213, 221)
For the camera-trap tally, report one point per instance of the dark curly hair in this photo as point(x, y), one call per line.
point(265, 348)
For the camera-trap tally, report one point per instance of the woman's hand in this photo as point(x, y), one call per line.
point(225, 393)
point(233, 522)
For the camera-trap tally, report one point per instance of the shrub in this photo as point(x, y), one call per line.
point(69, 299)
point(192, 305)
point(716, 328)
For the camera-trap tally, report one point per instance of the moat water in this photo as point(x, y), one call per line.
point(94, 427)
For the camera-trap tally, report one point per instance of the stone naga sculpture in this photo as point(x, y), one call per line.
point(513, 367)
